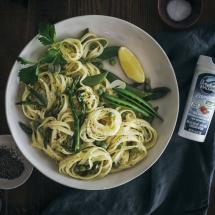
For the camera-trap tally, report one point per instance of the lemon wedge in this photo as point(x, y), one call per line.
point(131, 65)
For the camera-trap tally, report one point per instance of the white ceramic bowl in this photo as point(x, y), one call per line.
point(157, 67)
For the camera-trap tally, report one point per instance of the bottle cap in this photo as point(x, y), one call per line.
point(207, 62)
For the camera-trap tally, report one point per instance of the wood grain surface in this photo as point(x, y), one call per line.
point(18, 21)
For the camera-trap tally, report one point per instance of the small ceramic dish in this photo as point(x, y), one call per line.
point(197, 8)
point(7, 142)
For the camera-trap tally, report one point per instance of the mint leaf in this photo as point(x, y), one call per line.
point(94, 79)
point(29, 75)
point(47, 33)
point(109, 52)
point(24, 61)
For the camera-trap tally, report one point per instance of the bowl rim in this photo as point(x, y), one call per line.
point(81, 187)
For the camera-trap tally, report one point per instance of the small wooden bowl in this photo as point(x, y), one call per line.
point(197, 8)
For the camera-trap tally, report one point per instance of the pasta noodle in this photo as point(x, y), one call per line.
point(91, 162)
point(131, 142)
point(99, 125)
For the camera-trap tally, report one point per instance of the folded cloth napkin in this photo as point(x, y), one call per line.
point(179, 183)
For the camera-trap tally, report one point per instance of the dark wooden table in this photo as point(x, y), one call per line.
point(18, 21)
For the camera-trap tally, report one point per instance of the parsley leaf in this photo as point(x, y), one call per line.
point(24, 61)
point(47, 34)
point(53, 56)
point(29, 75)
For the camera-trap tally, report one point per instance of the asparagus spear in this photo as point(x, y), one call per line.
point(71, 92)
point(76, 127)
point(38, 97)
point(82, 113)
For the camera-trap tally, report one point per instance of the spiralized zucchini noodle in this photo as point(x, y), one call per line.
point(111, 138)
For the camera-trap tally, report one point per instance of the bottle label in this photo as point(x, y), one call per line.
point(202, 105)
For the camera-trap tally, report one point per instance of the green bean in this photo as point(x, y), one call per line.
point(26, 128)
point(94, 79)
point(134, 97)
point(139, 92)
point(136, 103)
point(150, 94)
point(121, 102)
point(112, 77)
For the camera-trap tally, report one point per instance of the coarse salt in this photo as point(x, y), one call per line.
point(179, 10)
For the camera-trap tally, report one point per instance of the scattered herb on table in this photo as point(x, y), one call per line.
point(11, 166)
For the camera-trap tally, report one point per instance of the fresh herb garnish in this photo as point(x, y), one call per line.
point(47, 137)
point(23, 61)
point(29, 75)
point(53, 56)
point(26, 128)
point(109, 52)
point(47, 34)
point(95, 79)
point(85, 31)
